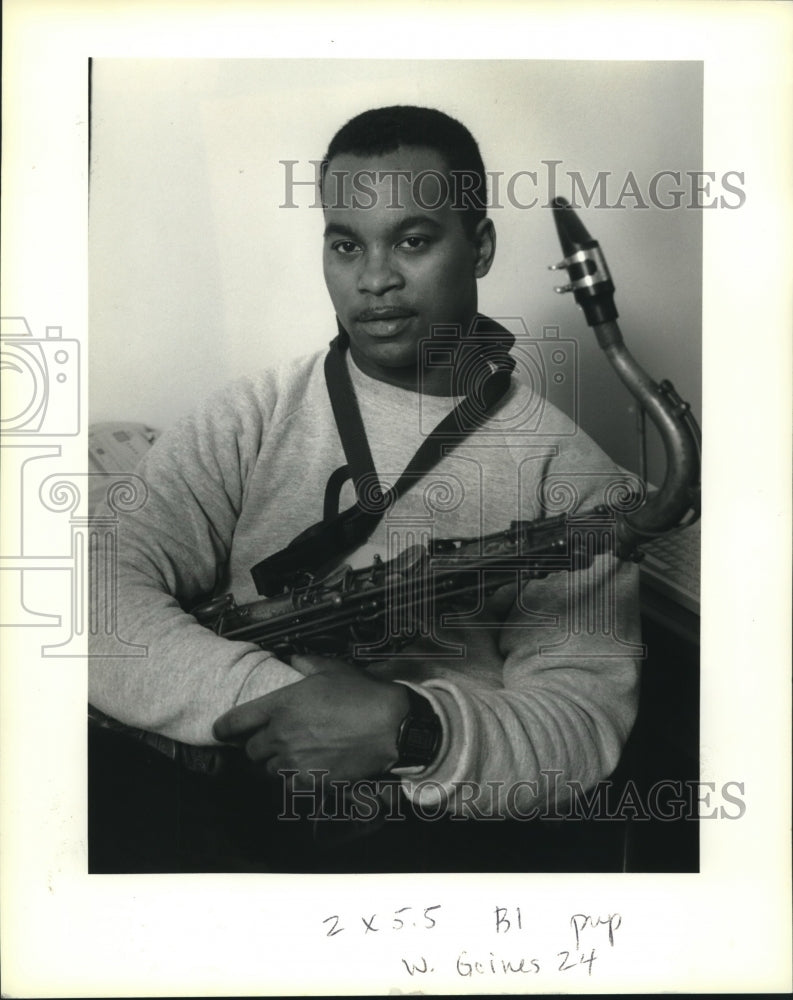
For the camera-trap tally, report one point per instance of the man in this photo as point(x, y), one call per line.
point(470, 720)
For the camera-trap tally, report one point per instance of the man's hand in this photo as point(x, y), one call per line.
point(337, 719)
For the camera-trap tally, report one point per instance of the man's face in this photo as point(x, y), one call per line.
point(395, 265)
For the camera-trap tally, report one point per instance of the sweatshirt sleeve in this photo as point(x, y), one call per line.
point(567, 705)
point(171, 554)
point(557, 723)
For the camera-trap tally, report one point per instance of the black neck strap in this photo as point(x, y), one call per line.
point(480, 366)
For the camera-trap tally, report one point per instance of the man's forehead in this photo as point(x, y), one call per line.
point(416, 179)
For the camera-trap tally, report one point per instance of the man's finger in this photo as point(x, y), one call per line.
point(240, 720)
point(260, 747)
point(308, 665)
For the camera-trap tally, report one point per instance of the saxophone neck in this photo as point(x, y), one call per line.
point(593, 289)
point(677, 501)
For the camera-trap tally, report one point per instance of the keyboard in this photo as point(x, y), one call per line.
point(671, 566)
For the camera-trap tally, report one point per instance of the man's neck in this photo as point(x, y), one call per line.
point(430, 381)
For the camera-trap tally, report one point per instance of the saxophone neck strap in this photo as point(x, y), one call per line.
point(482, 366)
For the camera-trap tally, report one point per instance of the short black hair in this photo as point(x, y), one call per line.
point(384, 130)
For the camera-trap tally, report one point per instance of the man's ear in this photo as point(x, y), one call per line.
point(485, 243)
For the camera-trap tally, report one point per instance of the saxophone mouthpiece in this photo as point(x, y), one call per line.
point(590, 280)
point(573, 234)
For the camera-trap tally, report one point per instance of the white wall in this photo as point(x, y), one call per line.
point(197, 274)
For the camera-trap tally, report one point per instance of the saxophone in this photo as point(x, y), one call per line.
point(370, 613)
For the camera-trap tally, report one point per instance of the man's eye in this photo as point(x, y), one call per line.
point(345, 247)
point(413, 242)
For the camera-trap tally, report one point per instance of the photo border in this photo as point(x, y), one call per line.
point(724, 930)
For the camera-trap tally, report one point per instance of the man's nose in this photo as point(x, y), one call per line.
point(379, 273)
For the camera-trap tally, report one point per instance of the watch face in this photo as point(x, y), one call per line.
point(419, 735)
point(419, 738)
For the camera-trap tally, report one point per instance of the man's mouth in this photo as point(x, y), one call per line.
point(386, 321)
point(382, 313)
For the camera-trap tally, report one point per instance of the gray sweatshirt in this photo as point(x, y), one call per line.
point(542, 678)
